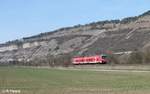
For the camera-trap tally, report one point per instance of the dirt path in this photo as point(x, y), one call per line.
point(104, 70)
point(137, 68)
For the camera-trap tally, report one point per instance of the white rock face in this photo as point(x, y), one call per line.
point(25, 45)
point(8, 48)
point(33, 44)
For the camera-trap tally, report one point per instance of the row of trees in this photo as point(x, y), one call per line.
point(136, 57)
point(50, 60)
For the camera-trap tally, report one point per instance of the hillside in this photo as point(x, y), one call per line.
point(117, 36)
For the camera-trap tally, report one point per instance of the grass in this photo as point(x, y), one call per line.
point(56, 81)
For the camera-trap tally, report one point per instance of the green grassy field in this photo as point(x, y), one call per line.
point(56, 81)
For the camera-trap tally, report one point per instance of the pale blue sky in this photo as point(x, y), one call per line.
point(22, 18)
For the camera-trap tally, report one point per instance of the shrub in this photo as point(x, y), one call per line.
point(113, 59)
point(146, 55)
point(135, 58)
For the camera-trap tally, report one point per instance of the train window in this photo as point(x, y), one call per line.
point(104, 56)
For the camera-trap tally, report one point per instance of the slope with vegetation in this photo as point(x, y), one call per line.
point(57, 47)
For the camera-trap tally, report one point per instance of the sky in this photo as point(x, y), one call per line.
point(24, 18)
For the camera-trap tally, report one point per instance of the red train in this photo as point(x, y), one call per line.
point(97, 59)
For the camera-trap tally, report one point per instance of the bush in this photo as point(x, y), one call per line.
point(135, 58)
point(113, 59)
point(61, 60)
point(146, 55)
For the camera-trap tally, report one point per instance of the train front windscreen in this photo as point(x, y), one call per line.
point(104, 57)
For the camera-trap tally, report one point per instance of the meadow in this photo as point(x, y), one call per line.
point(59, 81)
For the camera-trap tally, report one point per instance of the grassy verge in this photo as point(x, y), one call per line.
point(55, 81)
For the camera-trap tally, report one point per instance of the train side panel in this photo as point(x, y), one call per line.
point(88, 60)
